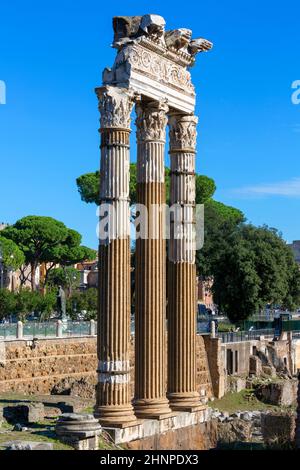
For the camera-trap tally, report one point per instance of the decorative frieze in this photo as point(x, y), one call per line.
point(154, 63)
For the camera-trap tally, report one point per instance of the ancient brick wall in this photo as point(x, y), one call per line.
point(27, 367)
point(203, 378)
point(216, 365)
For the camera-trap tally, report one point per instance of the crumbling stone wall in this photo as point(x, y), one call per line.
point(37, 367)
point(203, 372)
point(216, 365)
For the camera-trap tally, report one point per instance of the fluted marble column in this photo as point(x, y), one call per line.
point(113, 405)
point(181, 267)
point(150, 358)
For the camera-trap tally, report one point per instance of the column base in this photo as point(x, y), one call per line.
point(152, 409)
point(185, 402)
point(115, 416)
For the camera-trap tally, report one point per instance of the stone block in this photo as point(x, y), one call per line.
point(24, 413)
point(236, 430)
point(269, 370)
point(27, 445)
point(235, 383)
point(278, 427)
point(282, 393)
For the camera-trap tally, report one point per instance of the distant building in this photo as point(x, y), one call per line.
point(88, 273)
point(205, 295)
point(295, 246)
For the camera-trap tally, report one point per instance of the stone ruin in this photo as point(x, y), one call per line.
point(152, 72)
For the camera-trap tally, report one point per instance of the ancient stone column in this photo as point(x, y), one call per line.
point(181, 313)
point(150, 292)
point(113, 405)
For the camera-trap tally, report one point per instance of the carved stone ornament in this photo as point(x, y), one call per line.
point(115, 106)
point(153, 62)
point(151, 121)
point(178, 39)
point(183, 132)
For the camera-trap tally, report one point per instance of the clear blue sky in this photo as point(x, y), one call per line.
point(51, 58)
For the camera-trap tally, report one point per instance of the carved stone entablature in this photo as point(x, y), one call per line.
point(151, 121)
point(115, 106)
point(155, 63)
point(183, 132)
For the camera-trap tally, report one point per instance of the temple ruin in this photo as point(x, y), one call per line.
point(151, 72)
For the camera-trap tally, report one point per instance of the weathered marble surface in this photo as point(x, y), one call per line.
point(153, 62)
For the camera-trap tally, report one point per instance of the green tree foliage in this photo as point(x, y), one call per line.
point(223, 213)
point(67, 277)
point(253, 268)
point(46, 305)
point(26, 302)
point(220, 221)
point(7, 303)
point(205, 189)
point(44, 239)
point(88, 186)
point(83, 304)
point(13, 257)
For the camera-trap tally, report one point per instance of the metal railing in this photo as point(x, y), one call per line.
point(8, 331)
point(37, 329)
point(235, 337)
point(50, 329)
point(76, 328)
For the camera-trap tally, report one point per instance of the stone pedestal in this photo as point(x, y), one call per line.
point(150, 289)
point(19, 330)
point(181, 266)
point(92, 328)
point(113, 389)
point(59, 329)
point(213, 329)
point(189, 431)
point(80, 431)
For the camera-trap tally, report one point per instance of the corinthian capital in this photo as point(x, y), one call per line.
point(151, 121)
point(115, 106)
point(183, 132)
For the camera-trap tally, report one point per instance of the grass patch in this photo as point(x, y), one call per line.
point(225, 327)
point(32, 436)
point(243, 401)
point(89, 410)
